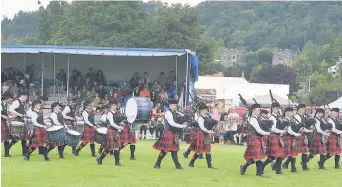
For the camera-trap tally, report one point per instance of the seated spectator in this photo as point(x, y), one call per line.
point(33, 96)
point(154, 97)
point(119, 92)
point(75, 75)
point(100, 79)
point(145, 92)
point(134, 80)
point(4, 87)
point(4, 75)
point(156, 87)
point(215, 112)
point(80, 84)
point(220, 131)
point(101, 91)
point(125, 85)
point(162, 81)
point(145, 80)
point(136, 91)
point(231, 129)
point(88, 97)
point(238, 135)
point(14, 89)
point(84, 91)
point(172, 93)
point(79, 98)
point(89, 84)
point(105, 100)
point(18, 75)
point(163, 95)
point(93, 92)
point(232, 114)
point(97, 100)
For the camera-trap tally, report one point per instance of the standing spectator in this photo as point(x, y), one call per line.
point(89, 84)
point(162, 81)
point(80, 84)
point(100, 79)
point(145, 92)
point(134, 80)
point(145, 80)
point(4, 75)
point(215, 112)
point(91, 75)
point(171, 78)
point(30, 71)
point(101, 91)
point(61, 78)
point(75, 75)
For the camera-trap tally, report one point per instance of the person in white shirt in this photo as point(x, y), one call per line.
point(255, 148)
point(169, 141)
point(5, 135)
point(202, 142)
point(17, 110)
point(89, 129)
point(333, 145)
point(112, 142)
point(40, 137)
point(317, 145)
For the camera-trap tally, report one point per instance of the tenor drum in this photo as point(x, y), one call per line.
point(56, 134)
point(100, 135)
point(138, 110)
point(72, 138)
point(16, 128)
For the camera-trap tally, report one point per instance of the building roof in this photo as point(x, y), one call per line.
point(87, 50)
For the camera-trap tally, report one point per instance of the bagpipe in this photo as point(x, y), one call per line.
point(210, 123)
point(309, 122)
point(298, 128)
point(266, 125)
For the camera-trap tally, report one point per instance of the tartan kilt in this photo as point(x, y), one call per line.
point(4, 130)
point(289, 151)
point(127, 136)
point(317, 147)
point(273, 147)
point(39, 138)
point(194, 133)
point(165, 142)
point(88, 134)
point(111, 143)
point(332, 146)
point(301, 147)
point(254, 149)
point(198, 145)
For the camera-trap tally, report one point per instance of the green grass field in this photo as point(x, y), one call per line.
point(84, 171)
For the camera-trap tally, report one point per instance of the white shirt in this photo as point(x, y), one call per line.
point(34, 117)
point(318, 128)
point(54, 119)
point(169, 119)
point(85, 118)
point(66, 111)
point(104, 118)
point(274, 125)
point(29, 112)
point(254, 122)
point(14, 106)
point(200, 122)
point(334, 130)
point(111, 121)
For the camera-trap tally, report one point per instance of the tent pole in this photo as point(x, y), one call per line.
point(42, 91)
point(54, 74)
point(25, 64)
point(68, 76)
point(186, 92)
point(176, 73)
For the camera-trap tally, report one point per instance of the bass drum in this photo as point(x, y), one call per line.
point(138, 110)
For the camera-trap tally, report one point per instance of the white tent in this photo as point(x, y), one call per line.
point(336, 104)
point(265, 100)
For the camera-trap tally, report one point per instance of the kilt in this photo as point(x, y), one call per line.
point(317, 147)
point(4, 130)
point(127, 136)
point(111, 143)
point(273, 146)
point(198, 145)
point(332, 146)
point(88, 134)
point(301, 147)
point(39, 137)
point(254, 149)
point(165, 142)
point(194, 133)
point(288, 150)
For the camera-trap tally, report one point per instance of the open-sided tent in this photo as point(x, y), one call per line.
point(115, 63)
point(336, 104)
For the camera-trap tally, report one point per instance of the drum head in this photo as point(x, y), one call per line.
point(102, 130)
point(54, 128)
point(16, 123)
point(72, 132)
point(131, 110)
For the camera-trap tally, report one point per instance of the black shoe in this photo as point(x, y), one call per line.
point(99, 161)
point(338, 167)
point(47, 159)
point(294, 170)
point(185, 155)
point(61, 157)
point(242, 170)
point(156, 167)
point(27, 158)
point(285, 166)
point(279, 173)
point(7, 155)
point(179, 167)
point(118, 164)
point(93, 155)
point(262, 176)
point(211, 167)
point(75, 153)
point(132, 158)
point(191, 165)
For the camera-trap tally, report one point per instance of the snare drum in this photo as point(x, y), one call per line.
point(72, 138)
point(56, 134)
point(17, 128)
point(138, 110)
point(100, 135)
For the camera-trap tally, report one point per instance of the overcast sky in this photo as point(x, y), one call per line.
point(10, 7)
